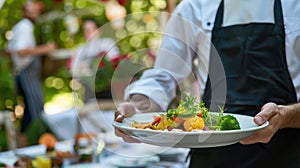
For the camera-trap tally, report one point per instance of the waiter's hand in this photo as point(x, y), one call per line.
point(138, 104)
point(125, 110)
point(269, 112)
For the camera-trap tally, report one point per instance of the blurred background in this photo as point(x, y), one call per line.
point(138, 28)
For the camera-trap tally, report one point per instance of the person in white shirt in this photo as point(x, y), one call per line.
point(82, 64)
point(245, 54)
point(25, 55)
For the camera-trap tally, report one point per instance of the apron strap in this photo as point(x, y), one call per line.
point(219, 16)
point(278, 12)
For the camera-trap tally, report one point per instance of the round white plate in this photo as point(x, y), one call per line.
point(31, 151)
point(199, 139)
point(85, 165)
point(130, 162)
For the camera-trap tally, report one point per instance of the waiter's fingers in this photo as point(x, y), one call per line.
point(126, 109)
point(267, 111)
point(118, 116)
point(264, 135)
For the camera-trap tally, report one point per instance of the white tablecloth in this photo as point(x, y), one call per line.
point(65, 125)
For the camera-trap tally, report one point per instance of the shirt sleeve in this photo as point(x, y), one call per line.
point(156, 84)
point(22, 40)
point(173, 62)
point(109, 45)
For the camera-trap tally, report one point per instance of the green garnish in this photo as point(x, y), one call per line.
point(186, 109)
point(213, 121)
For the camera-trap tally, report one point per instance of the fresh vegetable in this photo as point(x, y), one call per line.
point(228, 122)
point(220, 121)
point(193, 123)
point(164, 124)
point(191, 115)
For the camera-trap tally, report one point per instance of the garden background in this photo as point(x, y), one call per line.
point(61, 23)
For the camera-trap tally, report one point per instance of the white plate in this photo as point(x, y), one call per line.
point(31, 151)
point(130, 162)
point(199, 139)
point(84, 165)
point(174, 152)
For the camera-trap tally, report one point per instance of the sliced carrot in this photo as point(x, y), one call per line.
point(157, 119)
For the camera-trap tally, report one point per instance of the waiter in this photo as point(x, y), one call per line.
point(248, 38)
point(26, 55)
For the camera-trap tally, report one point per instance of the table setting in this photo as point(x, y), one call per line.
point(105, 150)
point(96, 145)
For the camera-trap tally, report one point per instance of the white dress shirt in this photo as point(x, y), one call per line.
point(186, 42)
point(85, 54)
point(23, 37)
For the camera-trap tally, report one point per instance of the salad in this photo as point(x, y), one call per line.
point(191, 115)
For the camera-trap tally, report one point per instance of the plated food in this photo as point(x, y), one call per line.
point(190, 116)
point(184, 128)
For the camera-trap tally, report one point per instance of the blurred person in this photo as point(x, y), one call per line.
point(25, 54)
point(256, 41)
point(83, 60)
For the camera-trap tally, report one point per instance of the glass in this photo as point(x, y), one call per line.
point(5, 119)
point(43, 162)
point(98, 146)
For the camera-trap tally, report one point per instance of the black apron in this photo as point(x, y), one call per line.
point(28, 84)
point(253, 56)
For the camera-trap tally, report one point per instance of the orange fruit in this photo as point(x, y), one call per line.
point(48, 139)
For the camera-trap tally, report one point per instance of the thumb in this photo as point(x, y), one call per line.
point(267, 111)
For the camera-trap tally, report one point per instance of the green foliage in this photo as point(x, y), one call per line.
point(7, 87)
point(7, 19)
point(35, 130)
point(3, 142)
point(103, 75)
point(52, 27)
point(49, 87)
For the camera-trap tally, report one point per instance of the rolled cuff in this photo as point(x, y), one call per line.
point(156, 94)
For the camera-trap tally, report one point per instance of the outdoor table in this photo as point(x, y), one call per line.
point(171, 158)
point(115, 150)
